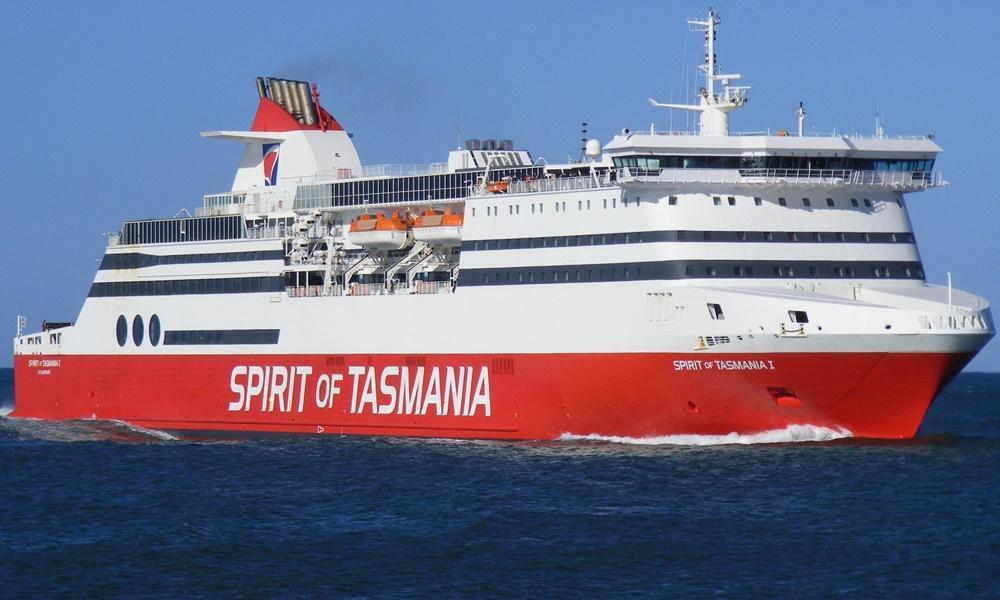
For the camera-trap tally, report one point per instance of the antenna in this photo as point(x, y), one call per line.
point(879, 125)
point(583, 139)
point(801, 114)
point(714, 108)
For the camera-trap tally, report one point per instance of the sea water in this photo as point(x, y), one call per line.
point(104, 509)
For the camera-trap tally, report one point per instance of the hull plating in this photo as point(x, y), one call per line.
point(525, 396)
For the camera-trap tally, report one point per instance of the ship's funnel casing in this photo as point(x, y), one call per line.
point(305, 151)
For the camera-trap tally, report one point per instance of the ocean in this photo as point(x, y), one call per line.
point(101, 509)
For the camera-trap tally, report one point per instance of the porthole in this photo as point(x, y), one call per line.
point(154, 330)
point(137, 330)
point(121, 330)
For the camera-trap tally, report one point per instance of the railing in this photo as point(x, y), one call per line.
point(815, 177)
point(218, 211)
point(786, 133)
point(558, 184)
point(431, 287)
point(390, 170)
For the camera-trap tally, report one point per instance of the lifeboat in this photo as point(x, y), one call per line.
point(498, 187)
point(379, 232)
point(439, 228)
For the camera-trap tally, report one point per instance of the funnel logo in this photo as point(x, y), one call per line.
point(270, 164)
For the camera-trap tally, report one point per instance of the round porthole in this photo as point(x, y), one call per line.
point(137, 330)
point(121, 330)
point(154, 330)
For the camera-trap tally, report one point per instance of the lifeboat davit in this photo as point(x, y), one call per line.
point(379, 232)
point(439, 228)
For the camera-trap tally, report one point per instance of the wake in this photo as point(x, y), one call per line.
point(84, 430)
point(790, 434)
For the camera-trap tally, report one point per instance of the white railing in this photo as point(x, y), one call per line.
point(788, 133)
point(391, 170)
point(912, 180)
point(558, 184)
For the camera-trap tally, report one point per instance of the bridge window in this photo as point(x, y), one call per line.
point(806, 202)
point(830, 202)
point(854, 202)
point(798, 316)
point(732, 201)
point(782, 202)
point(672, 201)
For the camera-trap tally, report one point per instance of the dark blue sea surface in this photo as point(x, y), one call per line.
point(99, 509)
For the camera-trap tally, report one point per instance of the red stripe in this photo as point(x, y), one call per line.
point(531, 396)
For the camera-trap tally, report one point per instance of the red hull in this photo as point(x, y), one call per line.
point(527, 396)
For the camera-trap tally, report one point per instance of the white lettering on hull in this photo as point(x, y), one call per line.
point(723, 365)
point(459, 391)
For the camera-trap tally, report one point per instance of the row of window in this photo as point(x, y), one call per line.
point(691, 269)
point(224, 337)
point(136, 260)
point(802, 163)
point(403, 189)
point(560, 206)
point(173, 287)
point(641, 237)
point(187, 229)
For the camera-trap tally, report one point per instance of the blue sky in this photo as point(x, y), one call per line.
point(103, 102)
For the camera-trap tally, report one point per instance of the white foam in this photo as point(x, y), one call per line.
point(792, 433)
point(153, 433)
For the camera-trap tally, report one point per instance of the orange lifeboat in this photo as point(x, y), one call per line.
point(439, 228)
point(498, 187)
point(380, 232)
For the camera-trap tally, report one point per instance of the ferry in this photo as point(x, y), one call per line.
point(703, 282)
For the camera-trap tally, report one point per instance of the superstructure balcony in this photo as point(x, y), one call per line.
point(903, 181)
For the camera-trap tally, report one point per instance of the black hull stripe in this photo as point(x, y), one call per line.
point(137, 260)
point(649, 237)
point(184, 287)
point(220, 337)
point(692, 269)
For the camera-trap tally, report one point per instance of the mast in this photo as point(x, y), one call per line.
point(714, 109)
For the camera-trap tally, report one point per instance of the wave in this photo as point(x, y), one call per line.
point(790, 434)
point(83, 430)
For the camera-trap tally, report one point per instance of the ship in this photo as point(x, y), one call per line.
point(666, 282)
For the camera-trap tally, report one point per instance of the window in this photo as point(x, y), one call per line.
point(579, 205)
point(806, 202)
point(854, 202)
point(792, 237)
point(715, 311)
point(672, 201)
point(782, 202)
point(689, 271)
point(732, 200)
point(868, 203)
point(711, 271)
point(830, 202)
point(798, 316)
point(741, 236)
point(817, 236)
point(605, 203)
point(614, 203)
point(588, 204)
point(758, 201)
point(716, 200)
